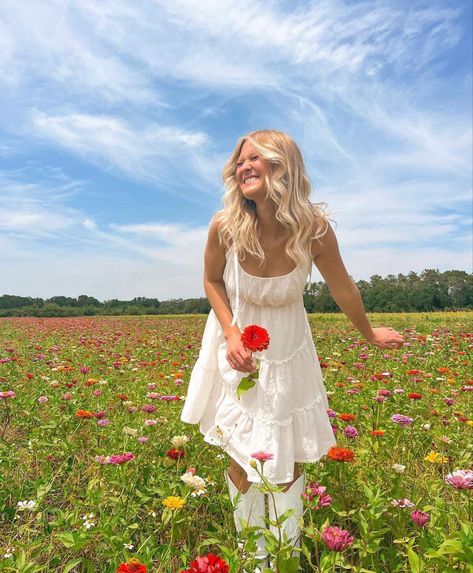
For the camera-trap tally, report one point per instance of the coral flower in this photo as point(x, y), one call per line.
point(262, 456)
point(347, 417)
point(132, 566)
point(415, 396)
point(209, 563)
point(255, 338)
point(336, 539)
point(173, 502)
point(341, 454)
point(86, 414)
point(377, 432)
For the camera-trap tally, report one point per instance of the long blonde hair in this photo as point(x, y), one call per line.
point(287, 184)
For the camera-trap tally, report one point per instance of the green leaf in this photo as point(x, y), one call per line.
point(71, 565)
point(246, 384)
point(414, 561)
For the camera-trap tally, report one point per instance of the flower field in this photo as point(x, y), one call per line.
point(98, 474)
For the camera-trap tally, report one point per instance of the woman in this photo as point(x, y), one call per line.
point(258, 256)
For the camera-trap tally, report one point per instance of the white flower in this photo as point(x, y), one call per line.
point(193, 481)
point(88, 516)
point(130, 431)
point(128, 546)
point(179, 441)
point(398, 468)
point(8, 552)
point(103, 382)
point(31, 504)
point(426, 426)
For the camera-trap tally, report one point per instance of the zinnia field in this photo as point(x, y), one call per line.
point(98, 474)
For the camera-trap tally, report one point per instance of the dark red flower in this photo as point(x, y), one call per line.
point(209, 563)
point(255, 338)
point(132, 566)
point(175, 453)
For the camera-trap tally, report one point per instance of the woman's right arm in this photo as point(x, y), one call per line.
point(238, 356)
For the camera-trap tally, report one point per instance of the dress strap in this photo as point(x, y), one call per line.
point(237, 288)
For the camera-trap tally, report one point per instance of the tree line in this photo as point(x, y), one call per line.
point(430, 290)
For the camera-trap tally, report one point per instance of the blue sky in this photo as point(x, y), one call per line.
point(117, 118)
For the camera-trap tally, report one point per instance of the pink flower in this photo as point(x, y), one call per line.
point(404, 502)
point(67, 396)
point(103, 422)
point(336, 539)
point(315, 490)
point(420, 518)
point(460, 479)
point(115, 459)
point(262, 456)
point(331, 413)
point(148, 408)
point(85, 369)
point(42, 399)
point(153, 395)
point(151, 386)
point(7, 394)
point(143, 439)
point(449, 401)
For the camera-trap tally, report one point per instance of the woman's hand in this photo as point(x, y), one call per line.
point(386, 337)
point(239, 357)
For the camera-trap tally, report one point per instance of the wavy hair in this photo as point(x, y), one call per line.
point(287, 184)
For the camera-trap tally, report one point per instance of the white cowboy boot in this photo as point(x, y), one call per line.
point(251, 509)
point(289, 499)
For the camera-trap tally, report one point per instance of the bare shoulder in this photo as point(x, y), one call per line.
point(215, 227)
point(321, 229)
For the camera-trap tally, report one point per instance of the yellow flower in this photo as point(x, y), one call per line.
point(470, 423)
point(173, 502)
point(435, 458)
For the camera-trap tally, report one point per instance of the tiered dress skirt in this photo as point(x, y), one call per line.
point(285, 413)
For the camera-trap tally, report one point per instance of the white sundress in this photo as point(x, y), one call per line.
point(285, 413)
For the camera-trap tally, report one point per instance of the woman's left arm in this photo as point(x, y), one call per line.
point(327, 259)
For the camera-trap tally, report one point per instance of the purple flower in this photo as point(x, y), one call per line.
point(460, 479)
point(331, 413)
point(148, 408)
point(316, 490)
point(350, 432)
point(103, 422)
point(336, 539)
point(401, 419)
point(420, 518)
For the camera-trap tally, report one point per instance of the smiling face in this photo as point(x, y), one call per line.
point(251, 170)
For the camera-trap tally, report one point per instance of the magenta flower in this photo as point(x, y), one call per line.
point(148, 408)
point(350, 432)
point(85, 369)
point(336, 539)
point(115, 459)
point(460, 479)
point(331, 413)
point(315, 490)
point(449, 401)
point(262, 456)
point(420, 518)
point(401, 419)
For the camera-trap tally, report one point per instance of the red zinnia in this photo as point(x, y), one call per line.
point(255, 338)
point(132, 566)
point(175, 453)
point(377, 432)
point(341, 454)
point(415, 396)
point(208, 564)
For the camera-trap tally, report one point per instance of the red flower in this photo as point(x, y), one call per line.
point(132, 566)
point(415, 396)
point(210, 563)
point(175, 453)
point(341, 454)
point(255, 338)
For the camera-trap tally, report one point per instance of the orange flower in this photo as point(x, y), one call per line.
point(341, 454)
point(347, 417)
point(340, 384)
point(377, 432)
point(443, 370)
point(123, 397)
point(86, 414)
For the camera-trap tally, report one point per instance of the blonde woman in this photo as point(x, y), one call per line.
point(258, 258)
